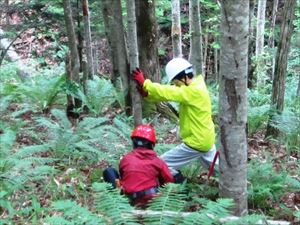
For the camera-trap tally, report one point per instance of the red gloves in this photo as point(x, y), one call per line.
point(138, 76)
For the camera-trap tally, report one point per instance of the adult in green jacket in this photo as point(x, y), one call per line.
point(195, 117)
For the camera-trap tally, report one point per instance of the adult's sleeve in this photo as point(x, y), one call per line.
point(160, 92)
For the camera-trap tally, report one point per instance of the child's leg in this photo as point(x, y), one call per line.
point(110, 175)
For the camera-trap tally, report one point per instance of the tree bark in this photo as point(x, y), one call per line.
point(88, 38)
point(73, 61)
point(114, 29)
point(278, 88)
point(176, 29)
point(147, 39)
point(271, 38)
point(252, 78)
point(260, 31)
point(133, 61)
point(205, 50)
point(216, 64)
point(233, 102)
point(196, 53)
point(260, 27)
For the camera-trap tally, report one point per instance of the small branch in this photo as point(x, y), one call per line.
point(150, 213)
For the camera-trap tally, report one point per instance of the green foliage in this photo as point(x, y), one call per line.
point(274, 186)
point(100, 94)
point(93, 140)
point(111, 204)
point(288, 123)
point(73, 214)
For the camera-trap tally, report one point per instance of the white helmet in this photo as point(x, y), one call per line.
point(176, 66)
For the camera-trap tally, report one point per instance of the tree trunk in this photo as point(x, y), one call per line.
point(260, 31)
point(176, 29)
point(133, 61)
point(233, 102)
point(271, 38)
point(205, 55)
point(298, 89)
point(115, 34)
point(252, 78)
point(147, 39)
point(216, 64)
point(196, 53)
point(88, 38)
point(74, 58)
point(278, 89)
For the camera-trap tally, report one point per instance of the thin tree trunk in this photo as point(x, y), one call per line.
point(196, 53)
point(216, 64)
point(88, 38)
point(205, 55)
point(133, 61)
point(252, 78)
point(233, 102)
point(73, 70)
point(260, 31)
point(7, 14)
point(176, 29)
point(272, 33)
point(278, 89)
point(298, 89)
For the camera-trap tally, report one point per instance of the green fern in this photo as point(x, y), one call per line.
point(72, 213)
point(171, 198)
point(288, 122)
point(100, 94)
point(274, 186)
point(112, 205)
point(211, 213)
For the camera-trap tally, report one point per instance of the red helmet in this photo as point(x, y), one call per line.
point(144, 131)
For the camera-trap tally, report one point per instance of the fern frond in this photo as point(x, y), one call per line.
point(171, 198)
point(111, 204)
point(72, 213)
point(211, 213)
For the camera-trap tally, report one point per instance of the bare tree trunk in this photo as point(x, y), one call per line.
point(118, 50)
point(278, 89)
point(196, 53)
point(216, 65)
point(260, 31)
point(176, 29)
point(7, 14)
point(233, 102)
point(74, 57)
point(298, 89)
point(271, 38)
point(88, 38)
point(205, 55)
point(147, 39)
point(133, 61)
point(251, 49)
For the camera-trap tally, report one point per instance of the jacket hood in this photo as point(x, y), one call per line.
point(144, 153)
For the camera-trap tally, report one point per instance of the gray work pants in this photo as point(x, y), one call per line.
point(182, 155)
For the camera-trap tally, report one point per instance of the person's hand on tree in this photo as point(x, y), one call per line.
point(139, 77)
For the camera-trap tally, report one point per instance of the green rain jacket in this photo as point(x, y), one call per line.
point(195, 119)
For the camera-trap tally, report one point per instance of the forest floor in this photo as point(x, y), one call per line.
point(257, 149)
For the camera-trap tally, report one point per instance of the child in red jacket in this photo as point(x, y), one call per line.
point(141, 170)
